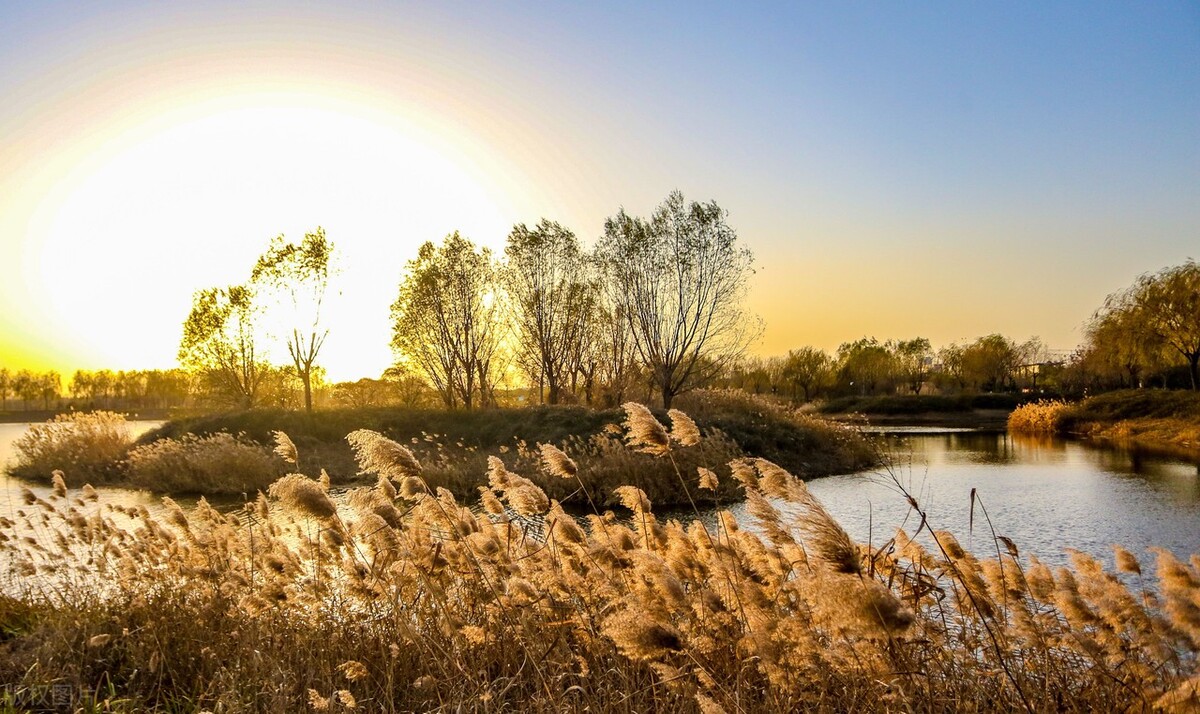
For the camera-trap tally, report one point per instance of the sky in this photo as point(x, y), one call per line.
point(946, 170)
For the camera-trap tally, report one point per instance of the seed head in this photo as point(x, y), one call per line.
point(646, 434)
point(683, 429)
point(285, 448)
point(556, 462)
point(376, 453)
point(300, 493)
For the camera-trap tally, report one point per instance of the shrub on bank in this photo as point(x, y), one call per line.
point(398, 597)
point(87, 447)
point(217, 464)
point(1044, 417)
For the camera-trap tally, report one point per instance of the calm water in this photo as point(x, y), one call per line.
point(10, 497)
point(1044, 494)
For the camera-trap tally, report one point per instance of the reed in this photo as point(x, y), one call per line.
point(87, 446)
point(1042, 417)
point(400, 597)
point(219, 463)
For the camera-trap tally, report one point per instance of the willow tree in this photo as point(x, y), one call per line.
point(679, 279)
point(1122, 340)
point(551, 295)
point(1169, 304)
point(299, 275)
point(808, 369)
point(220, 342)
point(445, 320)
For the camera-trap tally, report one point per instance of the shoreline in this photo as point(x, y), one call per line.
point(982, 419)
point(39, 416)
point(1171, 437)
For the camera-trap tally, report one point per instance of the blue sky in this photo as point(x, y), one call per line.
point(947, 169)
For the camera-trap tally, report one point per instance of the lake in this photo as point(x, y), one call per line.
point(1045, 494)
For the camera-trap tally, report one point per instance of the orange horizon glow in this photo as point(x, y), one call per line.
point(148, 152)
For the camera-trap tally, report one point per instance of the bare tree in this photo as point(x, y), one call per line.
point(551, 294)
point(301, 273)
point(679, 280)
point(444, 321)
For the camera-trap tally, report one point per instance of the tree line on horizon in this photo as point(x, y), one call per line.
point(654, 309)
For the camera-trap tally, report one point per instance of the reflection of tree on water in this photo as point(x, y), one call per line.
point(983, 448)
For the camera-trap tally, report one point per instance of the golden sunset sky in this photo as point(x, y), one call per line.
point(947, 171)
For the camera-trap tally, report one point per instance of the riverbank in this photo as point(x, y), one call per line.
point(400, 601)
point(970, 411)
point(36, 416)
point(1159, 419)
point(454, 447)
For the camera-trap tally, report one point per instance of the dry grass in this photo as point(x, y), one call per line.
point(603, 463)
point(87, 446)
point(215, 464)
point(1166, 433)
point(401, 598)
point(1041, 417)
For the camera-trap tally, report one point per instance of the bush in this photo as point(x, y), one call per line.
point(87, 447)
point(217, 463)
point(1044, 417)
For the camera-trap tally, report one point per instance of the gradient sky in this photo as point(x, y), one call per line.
point(946, 170)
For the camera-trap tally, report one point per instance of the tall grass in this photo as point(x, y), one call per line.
point(87, 446)
point(399, 597)
point(219, 463)
point(1041, 417)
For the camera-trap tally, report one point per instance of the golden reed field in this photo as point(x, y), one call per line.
point(401, 597)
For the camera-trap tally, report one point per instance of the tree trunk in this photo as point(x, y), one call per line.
point(308, 392)
point(1193, 368)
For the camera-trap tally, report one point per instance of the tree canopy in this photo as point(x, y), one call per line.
point(679, 280)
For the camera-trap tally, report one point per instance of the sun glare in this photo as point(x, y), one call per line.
point(192, 204)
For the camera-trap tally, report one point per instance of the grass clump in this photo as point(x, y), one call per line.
point(1042, 417)
point(86, 446)
point(453, 445)
point(802, 443)
point(400, 597)
point(219, 463)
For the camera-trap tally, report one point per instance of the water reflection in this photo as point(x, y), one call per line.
point(1047, 494)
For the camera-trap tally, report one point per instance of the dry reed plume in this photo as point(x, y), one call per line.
point(398, 597)
point(87, 446)
point(1042, 417)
